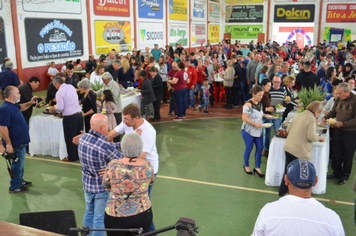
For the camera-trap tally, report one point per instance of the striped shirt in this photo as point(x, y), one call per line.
point(94, 154)
point(277, 96)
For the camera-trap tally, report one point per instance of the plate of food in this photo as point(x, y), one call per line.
point(282, 134)
point(287, 98)
point(267, 125)
point(331, 121)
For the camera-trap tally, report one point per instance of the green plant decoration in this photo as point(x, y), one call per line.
point(310, 95)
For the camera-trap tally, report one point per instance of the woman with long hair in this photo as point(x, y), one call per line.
point(325, 84)
point(95, 76)
point(163, 71)
point(125, 74)
point(88, 102)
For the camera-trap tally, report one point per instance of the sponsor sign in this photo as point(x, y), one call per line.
point(198, 33)
point(48, 39)
point(242, 1)
point(294, 13)
point(198, 10)
point(178, 33)
point(3, 51)
point(112, 34)
point(214, 33)
point(245, 14)
point(112, 7)
point(178, 9)
point(149, 35)
point(341, 13)
point(53, 6)
point(150, 9)
point(214, 12)
point(244, 31)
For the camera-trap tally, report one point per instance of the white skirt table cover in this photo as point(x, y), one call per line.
point(276, 163)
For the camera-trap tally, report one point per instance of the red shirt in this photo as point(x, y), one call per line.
point(171, 74)
point(200, 74)
point(181, 84)
point(193, 77)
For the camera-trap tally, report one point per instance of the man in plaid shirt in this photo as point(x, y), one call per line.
point(94, 154)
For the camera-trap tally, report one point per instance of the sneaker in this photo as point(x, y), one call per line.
point(184, 117)
point(228, 107)
point(236, 106)
point(206, 112)
point(178, 119)
point(26, 184)
point(170, 114)
point(18, 190)
point(199, 108)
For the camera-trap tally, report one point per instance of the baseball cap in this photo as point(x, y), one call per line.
point(301, 173)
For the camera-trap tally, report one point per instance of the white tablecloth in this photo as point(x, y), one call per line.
point(46, 131)
point(276, 163)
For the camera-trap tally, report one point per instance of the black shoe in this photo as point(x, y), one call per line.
point(341, 182)
point(26, 184)
point(18, 190)
point(333, 176)
point(229, 107)
point(259, 175)
point(247, 172)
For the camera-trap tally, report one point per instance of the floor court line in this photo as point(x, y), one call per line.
point(203, 182)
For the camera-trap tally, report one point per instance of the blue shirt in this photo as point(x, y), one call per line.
point(12, 118)
point(94, 154)
point(156, 54)
point(8, 77)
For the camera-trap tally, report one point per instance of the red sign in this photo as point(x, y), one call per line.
point(341, 13)
point(112, 7)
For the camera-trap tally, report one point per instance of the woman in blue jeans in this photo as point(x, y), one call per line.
point(251, 130)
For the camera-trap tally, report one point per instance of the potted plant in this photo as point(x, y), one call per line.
point(306, 96)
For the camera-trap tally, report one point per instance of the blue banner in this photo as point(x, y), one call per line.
point(150, 9)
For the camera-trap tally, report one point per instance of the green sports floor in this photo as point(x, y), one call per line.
point(200, 176)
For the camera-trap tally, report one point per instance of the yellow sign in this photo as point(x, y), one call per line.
point(112, 35)
point(214, 33)
point(178, 10)
point(242, 1)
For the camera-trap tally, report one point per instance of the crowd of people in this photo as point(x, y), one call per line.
point(260, 77)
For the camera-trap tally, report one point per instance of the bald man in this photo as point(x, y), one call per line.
point(94, 154)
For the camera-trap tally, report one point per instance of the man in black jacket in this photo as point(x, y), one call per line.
point(306, 78)
point(113, 69)
point(26, 95)
point(91, 63)
point(72, 78)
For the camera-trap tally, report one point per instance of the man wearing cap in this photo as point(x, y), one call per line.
point(156, 52)
point(298, 213)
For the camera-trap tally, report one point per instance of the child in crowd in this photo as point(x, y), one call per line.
point(205, 94)
point(110, 107)
point(172, 104)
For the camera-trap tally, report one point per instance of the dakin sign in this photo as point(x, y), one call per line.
point(112, 7)
point(294, 13)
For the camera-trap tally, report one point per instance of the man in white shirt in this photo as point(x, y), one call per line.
point(52, 71)
point(298, 213)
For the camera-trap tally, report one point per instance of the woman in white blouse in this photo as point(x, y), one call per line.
point(96, 74)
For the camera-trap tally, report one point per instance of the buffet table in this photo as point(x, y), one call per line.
point(47, 136)
point(276, 163)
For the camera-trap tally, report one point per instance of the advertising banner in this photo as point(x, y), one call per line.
point(53, 6)
point(112, 7)
point(178, 34)
point(150, 9)
point(245, 14)
point(48, 39)
point(242, 1)
point(341, 13)
point(214, 33)
point(178, 9)
point(294, 13)
point(198, 33)
point(198, 10)
point(149, 35)
point(244, 31)
point(214, 12)
point(112, 35)
point(3, 51)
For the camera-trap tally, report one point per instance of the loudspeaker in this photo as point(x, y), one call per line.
point(53, 221)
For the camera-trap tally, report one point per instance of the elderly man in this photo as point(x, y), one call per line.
point(113, 69)
point(110, 84)
point(146, 52)
point(26, 95)
point(298, 213)
point(131, 123)
point(72, 78)
point(343, 146)
point(94, 154)
point(320, 74)
point(277, 62)
point(306, 78)
point(91, 63)
point(8, 77)
point(15, 135)
point(68, 105)
point(284, 70)
point(111, 57)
